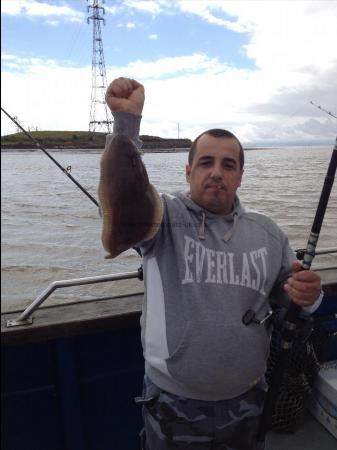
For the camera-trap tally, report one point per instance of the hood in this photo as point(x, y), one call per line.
point(204, 216)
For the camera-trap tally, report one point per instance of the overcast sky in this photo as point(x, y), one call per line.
point(249, 66)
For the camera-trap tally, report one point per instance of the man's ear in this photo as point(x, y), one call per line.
point(242, 171)
point(188, 172)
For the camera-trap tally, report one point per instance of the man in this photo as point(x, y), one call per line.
point(210, 262)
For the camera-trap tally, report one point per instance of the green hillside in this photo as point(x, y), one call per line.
point(82, 140)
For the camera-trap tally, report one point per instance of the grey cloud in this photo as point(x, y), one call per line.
point(309, 131)
point(295, 102)
point(314, 127)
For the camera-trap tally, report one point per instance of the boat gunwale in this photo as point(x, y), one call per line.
point(87, 316)
point(70, 319)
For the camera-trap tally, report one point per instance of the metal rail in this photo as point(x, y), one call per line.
point(26, 319)
point(321, 251)
point(300, 252)
point(320, 269)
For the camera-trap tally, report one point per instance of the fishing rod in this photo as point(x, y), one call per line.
point(322, 109)
point(38, 145)
point(291, 317)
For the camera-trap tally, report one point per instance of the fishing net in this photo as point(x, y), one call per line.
point(303, 365)
point(324, 337)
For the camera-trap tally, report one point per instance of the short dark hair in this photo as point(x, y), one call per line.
point(217, 133)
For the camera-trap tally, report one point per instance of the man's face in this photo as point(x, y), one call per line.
point(215, 175)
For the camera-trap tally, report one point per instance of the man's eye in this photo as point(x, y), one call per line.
point(229, 166)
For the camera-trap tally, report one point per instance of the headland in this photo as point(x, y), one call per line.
point(84, 141)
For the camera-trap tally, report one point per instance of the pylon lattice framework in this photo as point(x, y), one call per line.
point(99, 116)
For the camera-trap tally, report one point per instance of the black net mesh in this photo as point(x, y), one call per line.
point(324, 340)
point(302, 367)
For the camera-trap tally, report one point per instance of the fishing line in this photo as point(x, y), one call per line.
point(65, 171)
point(322, 109)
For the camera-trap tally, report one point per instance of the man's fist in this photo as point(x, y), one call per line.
point(125, 94)
point(304, 286)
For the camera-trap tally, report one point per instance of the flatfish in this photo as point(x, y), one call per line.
point(130, 206)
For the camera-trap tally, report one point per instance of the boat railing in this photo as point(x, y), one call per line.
point(322, 251)
point(26, 317)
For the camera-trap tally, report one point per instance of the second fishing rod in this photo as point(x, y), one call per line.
point(64, 170)
point(291, 317)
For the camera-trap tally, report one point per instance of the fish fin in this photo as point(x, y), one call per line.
point(157, 216)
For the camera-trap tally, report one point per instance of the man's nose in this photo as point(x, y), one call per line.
point(216, 172)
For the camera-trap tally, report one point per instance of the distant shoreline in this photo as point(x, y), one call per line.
point(85, 142)
point(87, 150)
point(72, 149)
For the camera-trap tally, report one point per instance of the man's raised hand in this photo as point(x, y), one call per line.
point(125, 94)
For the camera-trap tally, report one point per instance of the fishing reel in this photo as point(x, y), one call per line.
point(250, 317)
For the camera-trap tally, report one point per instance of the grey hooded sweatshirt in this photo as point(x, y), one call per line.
point(202, 272)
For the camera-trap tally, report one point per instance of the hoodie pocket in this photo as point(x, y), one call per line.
point(215, 356)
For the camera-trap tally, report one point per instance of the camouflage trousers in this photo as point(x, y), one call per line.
point(172, 422)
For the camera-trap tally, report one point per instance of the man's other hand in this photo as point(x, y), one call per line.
point(304, 286)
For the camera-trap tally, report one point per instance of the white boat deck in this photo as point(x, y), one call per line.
point(311, 436)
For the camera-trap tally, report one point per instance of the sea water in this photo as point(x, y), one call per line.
point(51, 230)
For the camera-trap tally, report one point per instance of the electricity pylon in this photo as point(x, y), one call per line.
point(99, 115)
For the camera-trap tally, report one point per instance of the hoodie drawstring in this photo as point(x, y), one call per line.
point(227, 236)
point(201, 232)
point(230, 232)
